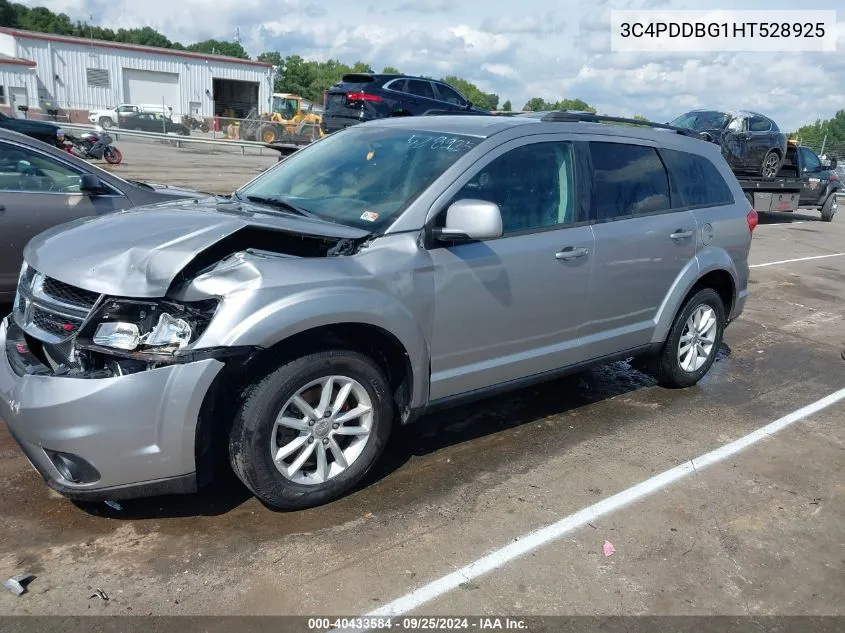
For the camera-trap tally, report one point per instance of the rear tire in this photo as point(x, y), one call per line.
point(671, 367)
point(829, 208)
point(771, 164)
point(256, 435)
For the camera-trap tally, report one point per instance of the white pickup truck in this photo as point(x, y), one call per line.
point(110, 116)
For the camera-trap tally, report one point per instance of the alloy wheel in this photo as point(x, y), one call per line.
point(321, 430)
point(770, 167)
point(698, 339)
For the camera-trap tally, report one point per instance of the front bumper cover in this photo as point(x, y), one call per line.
point(137, 430)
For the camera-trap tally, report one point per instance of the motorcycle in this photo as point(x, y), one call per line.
point(96, 144)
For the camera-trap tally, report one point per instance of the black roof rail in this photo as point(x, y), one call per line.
point(436, 112)
point(565, 116)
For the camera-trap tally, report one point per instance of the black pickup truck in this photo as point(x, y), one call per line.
point(803, 181)
point(41, 130)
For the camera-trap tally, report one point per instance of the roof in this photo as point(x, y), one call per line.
point(485, 126)
point(480, 125)
point(16, 61)
point(67, 39)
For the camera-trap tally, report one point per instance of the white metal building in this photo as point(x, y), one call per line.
point(74, 75)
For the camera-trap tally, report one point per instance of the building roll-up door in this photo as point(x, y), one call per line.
point(149, 87)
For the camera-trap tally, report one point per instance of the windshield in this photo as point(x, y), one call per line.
point(285, 106)
point(701, 121)
point(362, 177)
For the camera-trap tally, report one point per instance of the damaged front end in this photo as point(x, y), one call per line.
point(61, 330)
point(141, 319)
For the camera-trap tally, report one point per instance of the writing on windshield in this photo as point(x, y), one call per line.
point(445, 143)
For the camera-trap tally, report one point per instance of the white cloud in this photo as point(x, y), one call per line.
point(502, 70)
point(426, 6)
point(553, 48)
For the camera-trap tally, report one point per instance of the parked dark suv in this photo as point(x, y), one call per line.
point(364, 97)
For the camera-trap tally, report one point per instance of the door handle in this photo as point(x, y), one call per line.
point(2, 208)
point(570, 253)
point(680, 234)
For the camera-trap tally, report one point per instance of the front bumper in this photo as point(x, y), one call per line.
point(138, 430)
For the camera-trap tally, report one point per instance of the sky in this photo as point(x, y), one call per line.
point(547, 48)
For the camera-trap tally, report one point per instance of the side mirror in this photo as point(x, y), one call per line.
point(471, 220)
point(469, 104)
point(89, 183)
point(834, 163)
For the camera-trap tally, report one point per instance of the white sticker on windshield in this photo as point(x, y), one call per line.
point(369, 216)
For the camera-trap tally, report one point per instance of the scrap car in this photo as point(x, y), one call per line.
point(368, 278)
point(751, 143)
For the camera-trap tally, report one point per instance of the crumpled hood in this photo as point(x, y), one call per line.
point(138, 253)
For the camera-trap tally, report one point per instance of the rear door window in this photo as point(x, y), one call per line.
point(629, 180)
point(759, 124)
point(695, 180)
point(421, 88)
point(450, 96)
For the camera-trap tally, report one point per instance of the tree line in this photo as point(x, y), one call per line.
point(295, 74)
point(830, 132)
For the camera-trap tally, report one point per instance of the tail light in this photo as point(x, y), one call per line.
point(753, 220)
point(834, 177)
point(362, 96)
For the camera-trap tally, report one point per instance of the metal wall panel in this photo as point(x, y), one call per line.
point(61, 75)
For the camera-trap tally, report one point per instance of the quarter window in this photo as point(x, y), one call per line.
point(533, 186)
point(629, 180)
point(695, 180)
point(23, 170)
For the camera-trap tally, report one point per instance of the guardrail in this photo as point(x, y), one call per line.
point(179, 139)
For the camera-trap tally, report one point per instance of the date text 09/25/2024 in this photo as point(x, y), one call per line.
point(483, 623)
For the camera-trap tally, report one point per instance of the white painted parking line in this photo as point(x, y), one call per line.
point(799, 259)
point(533, 540)
point(774, 225)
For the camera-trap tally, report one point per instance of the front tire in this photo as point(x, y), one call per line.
point(105, 123)
point(268, 134)
point(309, 432)
point(693, 341)
point(829, 208)
point(112, 155)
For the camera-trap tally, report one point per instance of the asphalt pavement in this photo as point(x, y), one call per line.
point(756, 531)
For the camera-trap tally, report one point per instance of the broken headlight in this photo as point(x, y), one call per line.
point(146, 327)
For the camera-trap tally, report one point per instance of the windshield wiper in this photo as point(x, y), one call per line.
point(279, 203)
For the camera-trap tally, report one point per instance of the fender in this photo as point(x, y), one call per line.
point(707, 260)
point(296, 313)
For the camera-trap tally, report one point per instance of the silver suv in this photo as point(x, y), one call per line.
point(383, 271)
